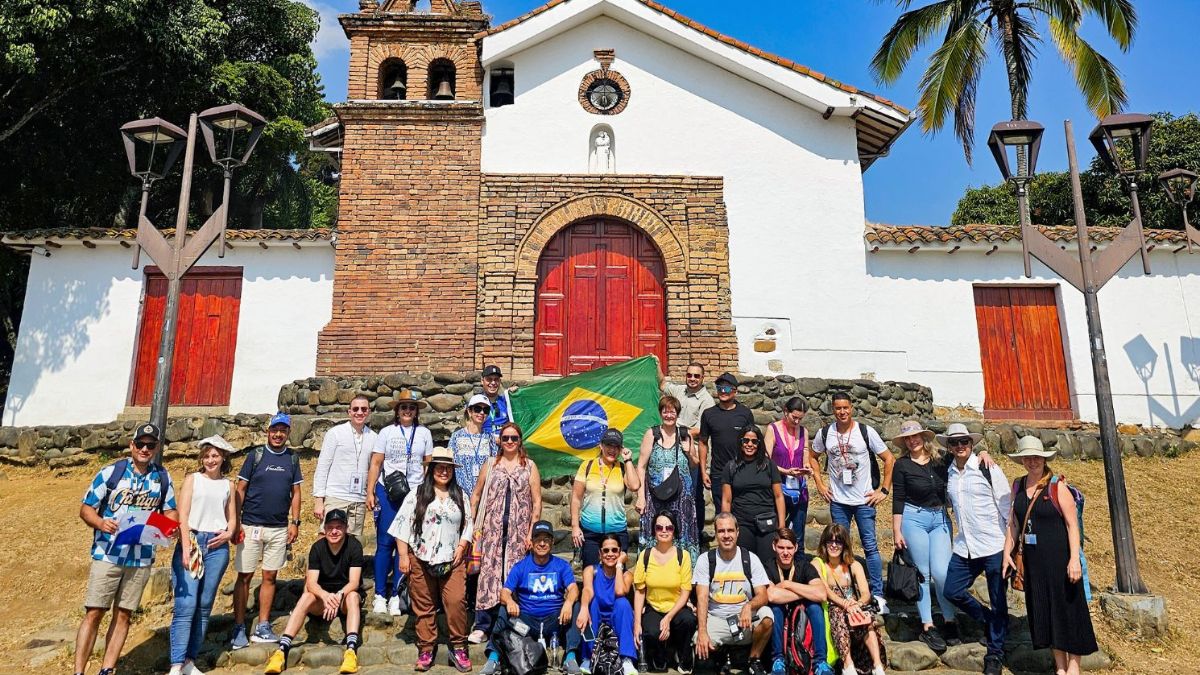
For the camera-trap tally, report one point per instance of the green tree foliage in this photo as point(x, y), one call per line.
point(951, 78)
point(1174, 143)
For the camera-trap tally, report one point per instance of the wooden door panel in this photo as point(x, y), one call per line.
point(1039, 347)
point(1021, 351)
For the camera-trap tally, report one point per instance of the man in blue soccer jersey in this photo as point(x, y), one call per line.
point(540, 592)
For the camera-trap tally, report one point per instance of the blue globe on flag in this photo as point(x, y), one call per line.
point(583, 423)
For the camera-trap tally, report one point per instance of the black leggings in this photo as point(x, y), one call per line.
point(683, 629)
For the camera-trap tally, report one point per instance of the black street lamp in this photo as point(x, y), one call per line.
point(1180, 185)
point(1026, 138)
point(1088, 274)
point(152, 145)
point(1106, 137)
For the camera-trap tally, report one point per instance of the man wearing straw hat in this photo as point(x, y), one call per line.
point(340, 481)
point(981, 501)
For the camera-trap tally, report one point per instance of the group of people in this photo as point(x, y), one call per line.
point(460, 531)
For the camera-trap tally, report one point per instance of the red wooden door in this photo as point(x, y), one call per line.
point(600, 299)
point(202, 370)
point(1021, 349)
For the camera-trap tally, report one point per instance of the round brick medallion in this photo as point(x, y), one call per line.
point(604, 92)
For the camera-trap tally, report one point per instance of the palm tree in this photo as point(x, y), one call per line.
point(952, 76)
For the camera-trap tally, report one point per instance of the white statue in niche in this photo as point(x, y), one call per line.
point(602, 157)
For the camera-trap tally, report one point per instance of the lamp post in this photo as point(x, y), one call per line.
point(1088, 274)
point(1180, 185)
point(151, 146)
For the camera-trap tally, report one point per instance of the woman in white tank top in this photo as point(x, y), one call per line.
point(208, 520)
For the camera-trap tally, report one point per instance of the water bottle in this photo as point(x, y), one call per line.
point(542, 636)
point(554, 648)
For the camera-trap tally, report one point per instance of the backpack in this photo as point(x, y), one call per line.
point(798, 641)
point(258, 455)
point(680, 432)
point(114, 479)
point(606, 652)
point(862, 428)
point(712, 565)
point(1077, 497)
point(678, 559)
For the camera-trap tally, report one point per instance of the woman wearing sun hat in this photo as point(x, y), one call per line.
point(1048, 534)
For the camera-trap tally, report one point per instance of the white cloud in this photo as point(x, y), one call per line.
point(330, 39)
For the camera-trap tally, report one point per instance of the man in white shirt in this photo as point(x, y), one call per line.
point(848, 446)
point(981, 503)
point(731, 597)
point(341, 477)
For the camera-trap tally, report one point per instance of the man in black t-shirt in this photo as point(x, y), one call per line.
point(720, 428)
point(794, 579)
point(331, 586)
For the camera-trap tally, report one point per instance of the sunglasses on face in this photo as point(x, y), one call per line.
point(692, 376)
point(958, 441)
point(510, 439)
point(442, 467)
point(407, 406)
point(836, 542)
point(144, 445)
point(480, 408)
point(749, 441)
point(664, 528)
point(360, 409)
point(609, 551)
point(724, 390)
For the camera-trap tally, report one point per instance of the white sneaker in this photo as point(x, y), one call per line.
point(379, 605)
point(883, 608)
point(189, 668)
point(477, 637)
point(393, 606)
point(586, 666)
point(627, 667)
point(176, 669)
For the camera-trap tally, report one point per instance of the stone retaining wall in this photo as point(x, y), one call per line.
point(318, 403)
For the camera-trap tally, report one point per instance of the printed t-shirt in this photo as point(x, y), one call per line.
point(662, 581)
point(498, 416)
point(847, 450)
point(752, 488)
point(603, 495)
point(333, 571)
point(721, 429)
point(540, 589)
point(395, 444)
point(134, 492)
point(728, 588)
point(269, 490)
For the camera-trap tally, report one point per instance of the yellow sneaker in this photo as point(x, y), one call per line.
point(349, 662)
point(276, 664)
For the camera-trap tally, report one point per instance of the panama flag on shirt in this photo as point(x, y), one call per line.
point(145, 527)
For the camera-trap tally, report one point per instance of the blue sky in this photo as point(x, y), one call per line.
point(922, 179)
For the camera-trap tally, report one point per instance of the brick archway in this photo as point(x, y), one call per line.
point(630, 210)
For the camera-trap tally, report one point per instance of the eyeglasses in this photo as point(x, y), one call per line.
point(664, 528)
point(510, 439)
point(360, 409)
point(693, 376)
point(143, 445)
point(836, 542)
point(481, 408)
point(407, 406)
point(439, 466)
point(749, 441)
point(958, 441)
point(607, 551)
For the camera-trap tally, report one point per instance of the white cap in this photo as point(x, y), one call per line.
point(217, 442)
point(478, 399)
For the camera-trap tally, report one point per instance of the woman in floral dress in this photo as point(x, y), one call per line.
point(507, 501)
point(667, 449)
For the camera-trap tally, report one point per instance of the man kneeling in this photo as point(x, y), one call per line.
point(731, 597)
point(331, 584)
point(540, 592)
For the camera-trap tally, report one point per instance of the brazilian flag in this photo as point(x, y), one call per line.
point(563, 419)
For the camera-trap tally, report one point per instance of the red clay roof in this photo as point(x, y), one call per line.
point(721, 37)
point(129, 234)
point(908, 235)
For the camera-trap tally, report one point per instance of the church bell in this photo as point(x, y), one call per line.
point(444, 92)
point(502, 93)
point(397, 89)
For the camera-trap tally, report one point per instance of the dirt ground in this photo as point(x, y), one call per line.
point(45, 555)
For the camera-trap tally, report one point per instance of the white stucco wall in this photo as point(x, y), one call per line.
point(75, 349)
point(793, 188)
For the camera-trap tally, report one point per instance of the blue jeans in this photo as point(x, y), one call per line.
point(864, 517)
point(194, 597)
point(816, 619)
point(568, 635)
point(927, 532)
point(962, 573)
point(796, 515)
point(387, 561)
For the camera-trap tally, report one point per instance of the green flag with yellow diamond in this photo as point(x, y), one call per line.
point(563, 419)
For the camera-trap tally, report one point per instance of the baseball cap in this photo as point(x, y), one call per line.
point(217, 442)
point(147, 429)
point(727, 378)
point(479, 399)
point(336, 515)
point(612, 437)
point(489, 371)
point(542, 527)
point(280, 418)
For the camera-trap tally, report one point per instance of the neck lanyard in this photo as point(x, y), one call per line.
point(791, 575)
point(844, 446)
point(408, 440)
point(781, 430)
point(604, 495)
point(357, 439)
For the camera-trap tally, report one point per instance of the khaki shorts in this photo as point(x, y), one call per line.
point(109, 584)
point(270, 549)
point(718, 628)
point(356, 512)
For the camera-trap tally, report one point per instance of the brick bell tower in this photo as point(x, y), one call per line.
point(405, 273)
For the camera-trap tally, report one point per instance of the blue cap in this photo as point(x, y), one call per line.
point(280, 418)
point(542, 527)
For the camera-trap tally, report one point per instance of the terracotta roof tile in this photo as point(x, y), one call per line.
point(129, 234)
point(903, 235)
point(721, 37)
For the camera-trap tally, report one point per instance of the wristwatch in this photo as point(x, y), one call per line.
point(296, 522)
point(885, 491)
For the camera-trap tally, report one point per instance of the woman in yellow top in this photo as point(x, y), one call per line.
point(662, 581)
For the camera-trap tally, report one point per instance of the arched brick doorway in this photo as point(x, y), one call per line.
point(600, 298)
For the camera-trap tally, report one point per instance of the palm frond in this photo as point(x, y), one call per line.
point(1119, 16)
point(905, 36)
point(1098, 79)
point(952, 76)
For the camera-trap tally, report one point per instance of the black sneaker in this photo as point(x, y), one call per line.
point(933, 639)
point(687, 661)
point(992, 666)
point(756, 668)
point(950, 633)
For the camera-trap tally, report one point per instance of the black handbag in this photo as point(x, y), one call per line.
point(672, 485)
point(903, 578)
point(524, 654)
point(395, 484)
point(766, 523)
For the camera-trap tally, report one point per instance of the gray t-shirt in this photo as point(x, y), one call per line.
point(728, 588)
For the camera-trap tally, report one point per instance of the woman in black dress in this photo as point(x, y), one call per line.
point(1043, 522)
